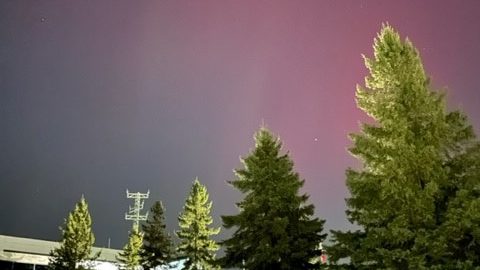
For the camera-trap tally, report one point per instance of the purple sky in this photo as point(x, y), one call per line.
point(100, 96)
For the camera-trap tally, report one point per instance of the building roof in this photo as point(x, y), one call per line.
point(34, 251)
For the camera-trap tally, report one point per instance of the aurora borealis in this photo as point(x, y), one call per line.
point(100, 96)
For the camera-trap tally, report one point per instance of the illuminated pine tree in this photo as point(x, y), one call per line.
point(195, 232)
point(458, 244)
point(404, 195)
point(130, 256)
point(157, 243)
point(275, 228)
point(77, 240)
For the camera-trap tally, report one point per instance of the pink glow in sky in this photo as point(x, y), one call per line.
point(97, 97)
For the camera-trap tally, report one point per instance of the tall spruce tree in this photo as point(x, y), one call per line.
point(157, 244)
point(195, 232)
point(402, 196)
point(275, 228)
point(77, 240)
point(130, 256)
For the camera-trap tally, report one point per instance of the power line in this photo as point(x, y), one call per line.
point(134, 212)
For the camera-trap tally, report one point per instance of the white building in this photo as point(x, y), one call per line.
point(17, 253)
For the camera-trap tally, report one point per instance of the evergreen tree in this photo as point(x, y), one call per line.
point(77, 240)
point(458, 240)
point(196, 245)
point(403, 197)
point(275, 228)
point(130, 256)
point(157, 244)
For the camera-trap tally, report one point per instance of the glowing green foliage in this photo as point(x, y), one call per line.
point(404, 195)
point(130, 256)
point(77, 240)
point(196, 245)
point(275, 228)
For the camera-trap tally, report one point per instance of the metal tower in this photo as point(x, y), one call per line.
point(134, 212)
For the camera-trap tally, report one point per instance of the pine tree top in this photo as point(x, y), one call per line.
point(77, 239)
point(397, 82)
point(264, 138)
point(266, 165)
point(195, 231)
point(130, 256)
point(395, 61)
point(157, 213)
point(274, 228)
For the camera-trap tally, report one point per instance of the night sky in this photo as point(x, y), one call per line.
point(100, 96)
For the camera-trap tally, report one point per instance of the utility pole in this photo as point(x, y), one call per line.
point(134, 212)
